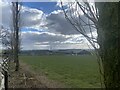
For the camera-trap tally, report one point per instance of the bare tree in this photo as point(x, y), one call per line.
point(15, 33)
point(10, 43)
point(83, 17)
point(6, 50)
point(88, 17)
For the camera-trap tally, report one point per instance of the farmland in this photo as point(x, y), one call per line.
point(73, 71)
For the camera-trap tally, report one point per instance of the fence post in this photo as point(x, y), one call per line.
point(6, 80)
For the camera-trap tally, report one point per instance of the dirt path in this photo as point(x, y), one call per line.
point(26, 78)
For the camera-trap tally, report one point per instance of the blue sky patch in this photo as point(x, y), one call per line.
point(46, 7)
point(31, 29)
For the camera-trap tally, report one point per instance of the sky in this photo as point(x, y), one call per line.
point(46, 7)
point(43, 26)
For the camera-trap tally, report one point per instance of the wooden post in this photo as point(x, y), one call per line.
point(6, 80)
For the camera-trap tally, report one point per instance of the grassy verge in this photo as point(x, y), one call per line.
point(75, 71)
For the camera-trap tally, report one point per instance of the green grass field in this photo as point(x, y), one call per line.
point(74, 71)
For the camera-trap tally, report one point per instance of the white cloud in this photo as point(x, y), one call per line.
point(32, 18)
point(58, 33)
point(47, 40)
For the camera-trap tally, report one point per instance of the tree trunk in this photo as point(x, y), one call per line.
point(17, 39)
point(16, 34)
point(109, 41)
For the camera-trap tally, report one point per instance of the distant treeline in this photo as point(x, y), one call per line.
point(56, 52)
